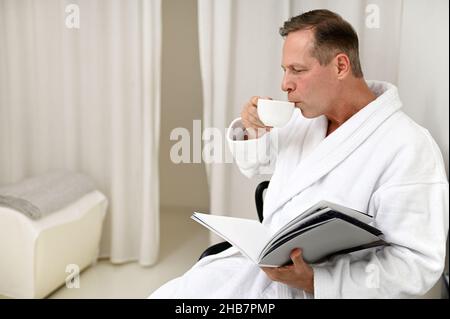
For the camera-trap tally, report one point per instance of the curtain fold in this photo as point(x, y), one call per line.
point(240, 57)
point(88, 100)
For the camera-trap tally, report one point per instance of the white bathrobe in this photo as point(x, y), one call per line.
point(379, 161)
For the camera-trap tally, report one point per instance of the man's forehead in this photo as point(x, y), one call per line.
point(299, 40)
point(297, 48)
point(304, 36)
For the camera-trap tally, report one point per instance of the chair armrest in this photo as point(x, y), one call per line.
point(259, 198)
point(215, 249)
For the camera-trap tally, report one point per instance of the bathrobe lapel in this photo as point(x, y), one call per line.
point(337, 146)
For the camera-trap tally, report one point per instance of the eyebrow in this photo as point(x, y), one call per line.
point(298, 65)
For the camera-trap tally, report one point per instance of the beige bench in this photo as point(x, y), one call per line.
point(38, 256)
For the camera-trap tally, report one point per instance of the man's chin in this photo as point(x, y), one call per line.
point(306, 114)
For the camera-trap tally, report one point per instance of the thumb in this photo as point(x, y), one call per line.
point(297, 257)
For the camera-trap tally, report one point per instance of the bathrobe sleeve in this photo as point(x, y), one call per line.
point(254, 156)
point(412, 211)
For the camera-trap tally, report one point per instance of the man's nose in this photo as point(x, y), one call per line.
point(287, 85)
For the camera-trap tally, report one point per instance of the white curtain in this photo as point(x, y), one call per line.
point(403, 42)
point(87, 99)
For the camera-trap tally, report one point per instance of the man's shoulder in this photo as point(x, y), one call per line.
point(411, 148)
point(404, 132)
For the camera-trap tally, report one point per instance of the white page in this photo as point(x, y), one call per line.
point(361, 216)
point(249, 236)
point(332, 236)
point(272, 242)
point(322, 207)
point(291, 226)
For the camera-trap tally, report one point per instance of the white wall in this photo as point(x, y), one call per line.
point(424, 62)
point(423, 78)
point(183, 186)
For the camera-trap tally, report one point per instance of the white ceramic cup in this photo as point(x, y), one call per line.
point(275, 113)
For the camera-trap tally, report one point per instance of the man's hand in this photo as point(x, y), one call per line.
point(251, 121)
point(297, 275)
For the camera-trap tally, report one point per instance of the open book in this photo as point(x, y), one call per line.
point(321, 231)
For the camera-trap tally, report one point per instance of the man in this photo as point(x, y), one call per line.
point(348, 142)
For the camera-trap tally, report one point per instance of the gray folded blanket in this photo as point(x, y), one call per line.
point(40, 196)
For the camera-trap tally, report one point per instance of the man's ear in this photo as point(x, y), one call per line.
point(342, 66)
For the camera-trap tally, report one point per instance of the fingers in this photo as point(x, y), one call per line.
point(280, 274)
point(250, 117)
point(254, 99)
point(255, 121)
point(252, 112)
point(298, 275)
point(272, 273)
point(297, 258)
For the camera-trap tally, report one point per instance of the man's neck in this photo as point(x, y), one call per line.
point(351, 102)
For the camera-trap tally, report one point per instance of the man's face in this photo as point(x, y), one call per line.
point(311, 86)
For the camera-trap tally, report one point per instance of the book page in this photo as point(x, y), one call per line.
point(291, 225)
point(321, 241)
point(247, 235)
point(319, 208)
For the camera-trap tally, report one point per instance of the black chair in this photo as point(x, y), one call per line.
point(259, 201)
point(445, 288)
